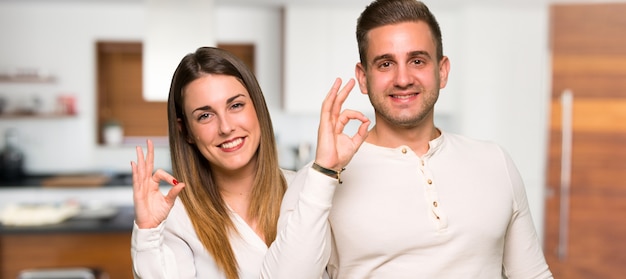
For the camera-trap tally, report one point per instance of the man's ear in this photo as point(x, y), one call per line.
point(444, 70)
point(361, 77)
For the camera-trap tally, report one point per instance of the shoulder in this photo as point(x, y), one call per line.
point(178, 218)
point(289, 175)
point(461, 146)
point(461, 141)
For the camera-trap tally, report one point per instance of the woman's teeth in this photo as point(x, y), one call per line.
point(232, 144)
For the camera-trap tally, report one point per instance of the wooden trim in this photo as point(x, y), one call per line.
point(120, 95)
point(119, 89)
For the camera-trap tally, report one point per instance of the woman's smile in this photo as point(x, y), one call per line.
point(232, 145)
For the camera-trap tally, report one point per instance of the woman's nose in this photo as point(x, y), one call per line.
point(225, 125)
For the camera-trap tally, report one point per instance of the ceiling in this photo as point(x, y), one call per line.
point(449, 3)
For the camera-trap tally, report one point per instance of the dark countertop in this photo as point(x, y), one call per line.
point(119, 179)
point(122, 221)
point(115, 180)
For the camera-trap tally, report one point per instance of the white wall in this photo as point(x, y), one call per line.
point(60, 38)
point(498, 88)
point(262, 26)
point(500, 76)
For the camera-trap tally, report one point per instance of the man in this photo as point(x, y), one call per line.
point(417, 202)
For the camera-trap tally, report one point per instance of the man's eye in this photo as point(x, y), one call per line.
point(384, 65)
point(418, 62)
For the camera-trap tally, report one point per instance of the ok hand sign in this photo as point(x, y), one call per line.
point(151, 206)
point(335, 148)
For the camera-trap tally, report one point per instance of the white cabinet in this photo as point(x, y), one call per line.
point(320, 45)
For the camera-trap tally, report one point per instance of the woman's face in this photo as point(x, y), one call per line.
point(222, 122)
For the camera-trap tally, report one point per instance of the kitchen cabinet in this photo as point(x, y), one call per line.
point(102, 245)
point(108, 252)
point(320, 45)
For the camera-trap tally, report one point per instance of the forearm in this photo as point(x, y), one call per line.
point(151, 258)
point(302, 246)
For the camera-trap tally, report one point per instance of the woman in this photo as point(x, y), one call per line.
point(221, 214)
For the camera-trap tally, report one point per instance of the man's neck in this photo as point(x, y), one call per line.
point(417, 138)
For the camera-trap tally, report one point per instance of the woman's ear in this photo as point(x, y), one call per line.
point(183, 131)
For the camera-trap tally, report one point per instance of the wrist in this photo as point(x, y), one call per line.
point(328, 172)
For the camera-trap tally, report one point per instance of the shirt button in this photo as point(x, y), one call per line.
point(435, 203)
point(430, 181)
point(404, 150)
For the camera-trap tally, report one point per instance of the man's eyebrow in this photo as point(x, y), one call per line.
point(385, 56)
point(420, 53)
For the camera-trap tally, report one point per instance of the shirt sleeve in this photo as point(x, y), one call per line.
point(523, 255)
point(302, 245)
point(158, 253)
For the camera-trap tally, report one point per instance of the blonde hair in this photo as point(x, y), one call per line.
point(201, 197)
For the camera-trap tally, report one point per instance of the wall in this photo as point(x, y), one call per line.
point(498, 85)
point(60, 38)
point(497, 89)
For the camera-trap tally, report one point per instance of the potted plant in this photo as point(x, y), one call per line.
point(113, 132)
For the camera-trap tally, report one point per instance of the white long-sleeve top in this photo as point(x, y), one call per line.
point(173, 250)
point(458, 211)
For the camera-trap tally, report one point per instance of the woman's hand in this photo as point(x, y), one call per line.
point(151, 206)
point(335, 148)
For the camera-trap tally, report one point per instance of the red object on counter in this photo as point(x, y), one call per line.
point(67, 104)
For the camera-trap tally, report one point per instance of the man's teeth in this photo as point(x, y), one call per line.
point(232, 143)
point(403, 96)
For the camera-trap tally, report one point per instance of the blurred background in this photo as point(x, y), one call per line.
point(83, 82)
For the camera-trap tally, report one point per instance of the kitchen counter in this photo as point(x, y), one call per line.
point(118, 192)
point(118, 179)
point(99, 244)
point(121, 221)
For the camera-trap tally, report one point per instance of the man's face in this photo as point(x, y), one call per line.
point(403, 76)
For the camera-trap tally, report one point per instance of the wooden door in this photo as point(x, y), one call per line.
point(586, 206)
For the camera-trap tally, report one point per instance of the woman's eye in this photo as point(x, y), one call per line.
point(204, 116)
point(237, 106)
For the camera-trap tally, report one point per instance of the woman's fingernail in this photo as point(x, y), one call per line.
point(175, 182)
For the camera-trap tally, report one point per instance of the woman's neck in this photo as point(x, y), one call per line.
point(236, 191)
